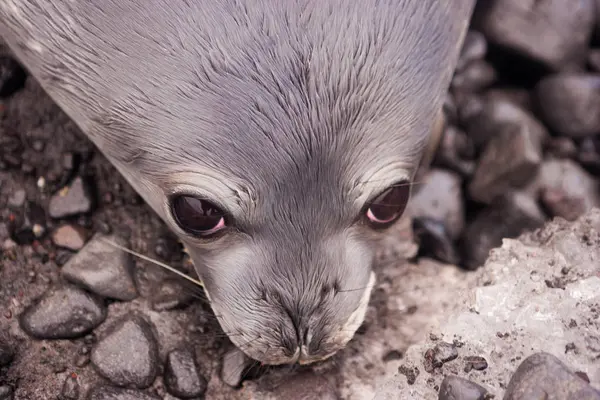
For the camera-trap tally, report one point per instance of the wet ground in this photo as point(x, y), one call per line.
point(522, 146)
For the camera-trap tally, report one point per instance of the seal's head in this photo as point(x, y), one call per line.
point(278, 141)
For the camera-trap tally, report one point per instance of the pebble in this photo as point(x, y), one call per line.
point(171, 295)
point(507, 217)
point(554, 33)
point(6, 393)
point(569, 103)
point(182, 377)
point(70, 388)
point(541, 374)
point(29, 224)
point(475, 362)
point(12, 76)
point(71, 200)
point(456, 152)
point(457, 388)
point(442, 353)
point(411, 373)
point(510, 160)
point(475, 77)
point(70, 237)
point(103, 269)
point(235, 364)
point(17, 199)
point(440, 198)
point(63, 312)
point(474, 48)
point(128, 354)
point(116, 393)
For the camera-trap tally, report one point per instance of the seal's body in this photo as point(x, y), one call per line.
point(277, 138)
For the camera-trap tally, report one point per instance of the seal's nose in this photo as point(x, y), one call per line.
point(303, 342)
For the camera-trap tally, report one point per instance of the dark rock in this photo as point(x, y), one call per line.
point(301, 386)
point(411, 373)
point(594, 60)
point(6, 393)
point(28, 225)
point(457, 388)
point(455, 152)
point(12, 77)
point(440, 197)
point(70, 388)
point(561, 147)
point(569, 103)
point(63, 312)
point(128, 354)
point(541, 374)
point(434, 240)
point(71, 200)
point(589, 155)
point(115, 393)
point(103, 269)
point(474, 48)
point(392, 355)
point(475, 362)
point(235, 364)
point(475, 77)
point(182, 377)
point(450, 109)
point(507, 217)
point(6, 353)
point(69, 237)
point(171, 295)
point(17, 199)
point(168, 248)
point(470, 106)
point(518, 96)
point(510, 160)
point(554, 33)
point(440, 354)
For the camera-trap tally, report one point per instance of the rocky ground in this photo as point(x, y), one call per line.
point(81, 319)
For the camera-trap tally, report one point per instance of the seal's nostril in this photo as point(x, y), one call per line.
point(306, 336)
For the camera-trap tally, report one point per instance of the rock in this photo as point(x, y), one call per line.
point(475, 362)
point(70, 389)
point(6, 393)
point(116, 393)
point(300, 386)
point(411, 373)
point(12, 76)
point(543, 376)
point(171, 295)
point(70, 237)
point(475, 77)
point(507, 217)
point(28, 225)
point(569, 103)
point(456, 152)
point(167, 248)
point(434, 240)
point(456, 388)
point(553, 33)
point(235, 364)
point(589, 155)
point(63, 312)
point(510, 160)
point(17, 199)
point(470, 106)
point(517, 96)
point(440, 354)
point(128, 354)
point(474, 48)
point(440, 198)
point(103, 269)
point(71, 200)
point(182, 377)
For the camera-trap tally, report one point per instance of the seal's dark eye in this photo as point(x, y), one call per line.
point(389, 205)
point(197, 216)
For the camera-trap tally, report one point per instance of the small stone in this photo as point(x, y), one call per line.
point(12, 77)
point(38, 145)
point(569, 103)
point(507, 217)
point(554, 33)
point(543, 373)
point(69, 237)
point(6, 393)
point(235, 364)
point(115, 393)
point(442, 353)
point(70, 389)
point(392, 355)
point(474, 48)
point(28, 225)
point(410, 372)
point(475, 362)
point(182, 378)
point(63, 312)
point(71, 200)
point(103, 269)
point(171, 295)
point(475, 77)
point(128, 354)
point(456, 388)
point(510, 160)
point(17, 199)
point(589, 155)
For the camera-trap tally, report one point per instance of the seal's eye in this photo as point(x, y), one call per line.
point(197, 216)
point(389, 205)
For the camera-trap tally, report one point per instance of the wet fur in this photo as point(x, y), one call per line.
point(289, 114)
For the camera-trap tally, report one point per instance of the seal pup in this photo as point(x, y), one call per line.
point(277, 138)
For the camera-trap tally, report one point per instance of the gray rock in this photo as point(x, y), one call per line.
point(171, 295)
point(115, 393)
point(507, 217)
point(456, 388)
point(103, 269)
point(474, 48)
point(456, 152)
point(70, 389)
point(63, 312)
point(128, 354)
point(569, 103)
point(182, 377)
point(510, 160)
point(436, 357)
point(6, 393)
point(235, 363)
point(17, 199)
point(554, 33)
point(475, 77)
point(544, 376)
point(70, 237)
point(71, 200)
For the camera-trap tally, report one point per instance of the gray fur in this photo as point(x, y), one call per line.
point(289, 114)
